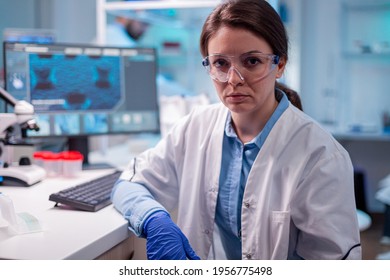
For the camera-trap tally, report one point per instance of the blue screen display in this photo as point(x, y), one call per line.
point(84, 90)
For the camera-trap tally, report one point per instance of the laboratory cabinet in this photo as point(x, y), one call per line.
point(365, 91)
point(345, 65)
point(365, 54)
point(344, 77)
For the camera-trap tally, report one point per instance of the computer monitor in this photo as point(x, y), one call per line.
point(25, 35)
point(29, 35)
point(80, 90)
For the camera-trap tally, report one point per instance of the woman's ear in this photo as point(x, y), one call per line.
point(280, 67)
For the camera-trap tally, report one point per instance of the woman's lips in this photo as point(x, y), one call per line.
point(236, 97)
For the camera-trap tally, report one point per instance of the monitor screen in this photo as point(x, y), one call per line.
point(25, 35)
point(82, 90)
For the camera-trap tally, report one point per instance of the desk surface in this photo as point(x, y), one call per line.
point(70, 234)
point(67, 234)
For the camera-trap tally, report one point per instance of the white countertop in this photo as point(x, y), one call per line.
point(67, 234)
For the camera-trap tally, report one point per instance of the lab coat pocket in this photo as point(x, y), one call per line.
point(280, 227)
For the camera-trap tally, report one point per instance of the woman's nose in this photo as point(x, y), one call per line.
point(234, 76)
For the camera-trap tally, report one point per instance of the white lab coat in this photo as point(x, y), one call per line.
point(298, 198)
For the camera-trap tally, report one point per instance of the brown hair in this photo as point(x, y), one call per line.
point(292, 95)
point(256, 16)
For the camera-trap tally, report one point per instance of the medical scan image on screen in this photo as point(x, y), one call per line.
point(84, 90)
point(91, 77)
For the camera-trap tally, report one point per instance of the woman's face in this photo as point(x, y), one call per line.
point(244, 95)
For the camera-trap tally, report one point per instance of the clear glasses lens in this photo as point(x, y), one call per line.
point(252, 67)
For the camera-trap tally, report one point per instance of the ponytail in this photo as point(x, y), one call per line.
point(292, 95)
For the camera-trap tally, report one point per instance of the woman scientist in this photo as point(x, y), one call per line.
point(252, 177)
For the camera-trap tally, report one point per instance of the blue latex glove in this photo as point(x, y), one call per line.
point(164, 239)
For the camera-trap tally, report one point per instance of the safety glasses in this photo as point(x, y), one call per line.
point(250, 67)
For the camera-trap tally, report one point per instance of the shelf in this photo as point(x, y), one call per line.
point(362, 136)
point(367, 133)
point(366, 55)
point(367, 5)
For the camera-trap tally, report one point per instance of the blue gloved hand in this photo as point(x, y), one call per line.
point(164, 239)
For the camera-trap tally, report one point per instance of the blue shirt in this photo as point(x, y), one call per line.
point(237, 160)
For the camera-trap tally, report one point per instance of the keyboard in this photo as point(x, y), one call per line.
point(90, 196)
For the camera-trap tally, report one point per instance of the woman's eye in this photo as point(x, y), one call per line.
point(220, 63)
point(252, 61)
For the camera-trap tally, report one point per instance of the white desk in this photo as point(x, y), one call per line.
point(68, 234)
point(72, 234)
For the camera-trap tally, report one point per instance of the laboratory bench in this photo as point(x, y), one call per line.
point(66, 233)
point(69, 233)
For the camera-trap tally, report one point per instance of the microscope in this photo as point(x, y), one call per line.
point(17, 171)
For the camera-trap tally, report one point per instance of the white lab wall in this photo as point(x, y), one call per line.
point(16, 14)
point(75, 20)
point(71, 20)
